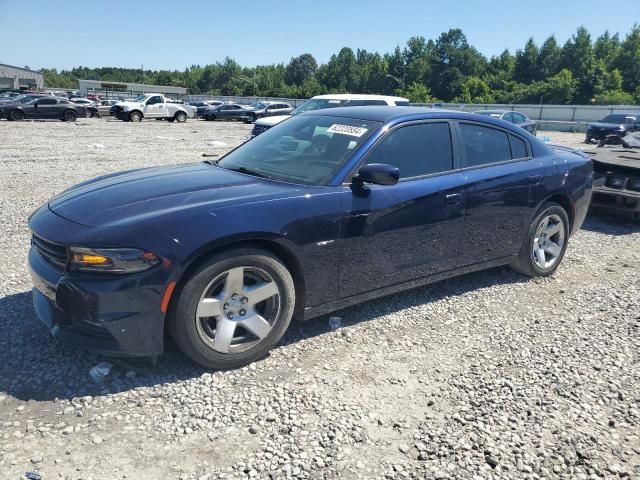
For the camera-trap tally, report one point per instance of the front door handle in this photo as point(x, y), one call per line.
point(454, 198)
point(535, 179)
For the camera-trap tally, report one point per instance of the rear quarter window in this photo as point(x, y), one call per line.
point(518, 147)
point(484, 145)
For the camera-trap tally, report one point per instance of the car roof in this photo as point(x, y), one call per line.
point(358, 96)
point(404, 114)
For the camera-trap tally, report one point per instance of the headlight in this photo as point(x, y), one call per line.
point(111, 260)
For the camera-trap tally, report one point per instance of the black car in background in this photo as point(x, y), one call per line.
point(618, 124)
point(226, 111)
point(201, 107)
point(510, 116)
point(43, 108)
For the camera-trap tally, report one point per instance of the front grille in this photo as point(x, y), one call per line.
point(258, 129)
point(53, 253)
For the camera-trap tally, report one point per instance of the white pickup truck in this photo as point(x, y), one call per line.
point(151, 105)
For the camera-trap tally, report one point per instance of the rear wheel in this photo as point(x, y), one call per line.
point(233, 309)
point(546, 242)
point(69, 116)
point(180, 117)
point(211, 118)
point(16, 115)
point(135, 117)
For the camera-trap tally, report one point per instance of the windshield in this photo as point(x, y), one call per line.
point(141, 98)
point(308, 150)
point(617, 119)
point(258, 105)
point(317, 104)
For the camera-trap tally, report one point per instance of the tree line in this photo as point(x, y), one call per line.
point(604, 71)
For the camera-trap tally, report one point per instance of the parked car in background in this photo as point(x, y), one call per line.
point(213, 103)
point(153, 106)
point(510, 116)
point(9, 95)
point(104, 107)
point(82, 101)
point(330, 101)
point(324, 211)
point(24, 98)
point(200, 107)
point(617, 124)
point(226, 111)
point(43, 108)
point(267, 109)
point(616, 183)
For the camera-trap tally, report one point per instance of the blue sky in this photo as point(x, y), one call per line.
point(175, 34)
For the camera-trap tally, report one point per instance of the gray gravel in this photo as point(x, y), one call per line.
point(487, 376)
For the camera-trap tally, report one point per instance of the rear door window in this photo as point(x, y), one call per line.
point(483, 145)
point(417, 150)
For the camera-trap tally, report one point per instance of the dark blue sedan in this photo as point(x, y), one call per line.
point(323, 211)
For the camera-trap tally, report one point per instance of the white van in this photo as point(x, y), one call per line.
point(329, 101)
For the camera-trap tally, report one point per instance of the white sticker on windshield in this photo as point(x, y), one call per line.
point(347, 130)
point(334, 101)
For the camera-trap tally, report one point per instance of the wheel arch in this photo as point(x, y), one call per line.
point(135, 111)
point(565, 201)
point(269, 244)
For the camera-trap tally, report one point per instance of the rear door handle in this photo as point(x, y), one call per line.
point(535, 179)
point(453, 198)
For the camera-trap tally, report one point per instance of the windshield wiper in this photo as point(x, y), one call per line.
point(250, 172)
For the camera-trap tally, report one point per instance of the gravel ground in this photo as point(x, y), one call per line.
point(487, 376)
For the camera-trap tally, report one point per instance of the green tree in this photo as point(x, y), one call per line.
point(606, 48)
point(475, 90)
point(579, 58)
point(416, 93)
point(628, 60)
point(300, 69)
point(526, 67)
point(549, 58)
point(454, 61)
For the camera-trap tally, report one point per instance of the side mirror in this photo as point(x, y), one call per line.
point(378, 174)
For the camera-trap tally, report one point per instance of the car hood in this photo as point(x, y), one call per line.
point(131, 197)
point(606, 125)
point(271, 121)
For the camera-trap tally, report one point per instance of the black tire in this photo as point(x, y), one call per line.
point(525, 262)
point(15, 115)
point(170, 120)
point(211, 118)
point(69, 116)
point(135, 117)
point(180, 117)
point(184, 325)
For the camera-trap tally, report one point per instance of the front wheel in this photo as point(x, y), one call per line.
point(135, 117)
point(546, 242)
point(69, 116)
point(15, 115)
point(233, 309)
point(180, 117)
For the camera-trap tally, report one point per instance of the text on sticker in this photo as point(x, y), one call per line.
point(347, 130)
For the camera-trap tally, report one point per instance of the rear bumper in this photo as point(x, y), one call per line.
point(119, 315)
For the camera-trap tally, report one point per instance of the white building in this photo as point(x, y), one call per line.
point(16, 78)
point(118, 89)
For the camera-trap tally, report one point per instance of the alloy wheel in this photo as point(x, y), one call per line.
point(548, 241)
point(238, 309)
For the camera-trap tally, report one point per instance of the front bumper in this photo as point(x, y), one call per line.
point(616, 201)
point(109, 314)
